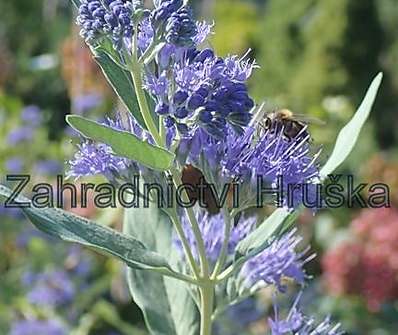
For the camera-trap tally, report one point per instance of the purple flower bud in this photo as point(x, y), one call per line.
point(181, 113)
point(112, 21)
point(181, 28)
point(203, 91)
point(205, 116)
point(195, 101)
point(182, 128)
point(180, 97)
point(169, 122)
point(162, 109)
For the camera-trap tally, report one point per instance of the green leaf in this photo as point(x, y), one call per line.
point(266, 230)
point(166, 303)
point(121, 82)
point(348, 136)
point(123, 143)
point(72, 228)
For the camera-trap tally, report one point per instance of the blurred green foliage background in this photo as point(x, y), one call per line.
point(316, 58)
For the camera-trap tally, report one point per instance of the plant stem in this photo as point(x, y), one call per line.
point(206, 308)
point(185, 245)
point(194, 225)
point(179, 276)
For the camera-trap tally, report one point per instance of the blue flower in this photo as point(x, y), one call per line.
point(108, 18)
point(212, 229)
point(93, 159)
point(258, 153)
point(79, 262)
point(164, 10)
point(146, 34)
point(181, 28)
point(18, 135)
point(276, 262)
point(14, 213)
point(157, 86)
point(296, 323)
point(208, 93)
point(203, 31)
point(98, 158)
point(50, 288)
point(239, 69)
point(35, 326)
point(84, 103)
point(32, 115)
point(14, 164)
point(48, 167)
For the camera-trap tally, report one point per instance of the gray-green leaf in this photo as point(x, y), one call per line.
point(121, 82)
point(349, 134)
point(72, 228)
point(166, 303)
point(257, 239)
point(123, 143)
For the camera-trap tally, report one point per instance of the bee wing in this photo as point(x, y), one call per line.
point(309, 119)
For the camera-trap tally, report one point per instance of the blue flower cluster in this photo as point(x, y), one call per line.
point(171, 20)
point(276, 262)
point(271, 155)
point(111, 18)
point(206, 92)
point(254, 153)
point(95, 158)
point(212, 229)
point(176, 20)
point(49, 293)
point(53, 288)
point(98, 158)
point(299, 324)
point(181, 28)
point(164, 10)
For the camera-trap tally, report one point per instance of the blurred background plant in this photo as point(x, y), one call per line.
point(316, 59)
